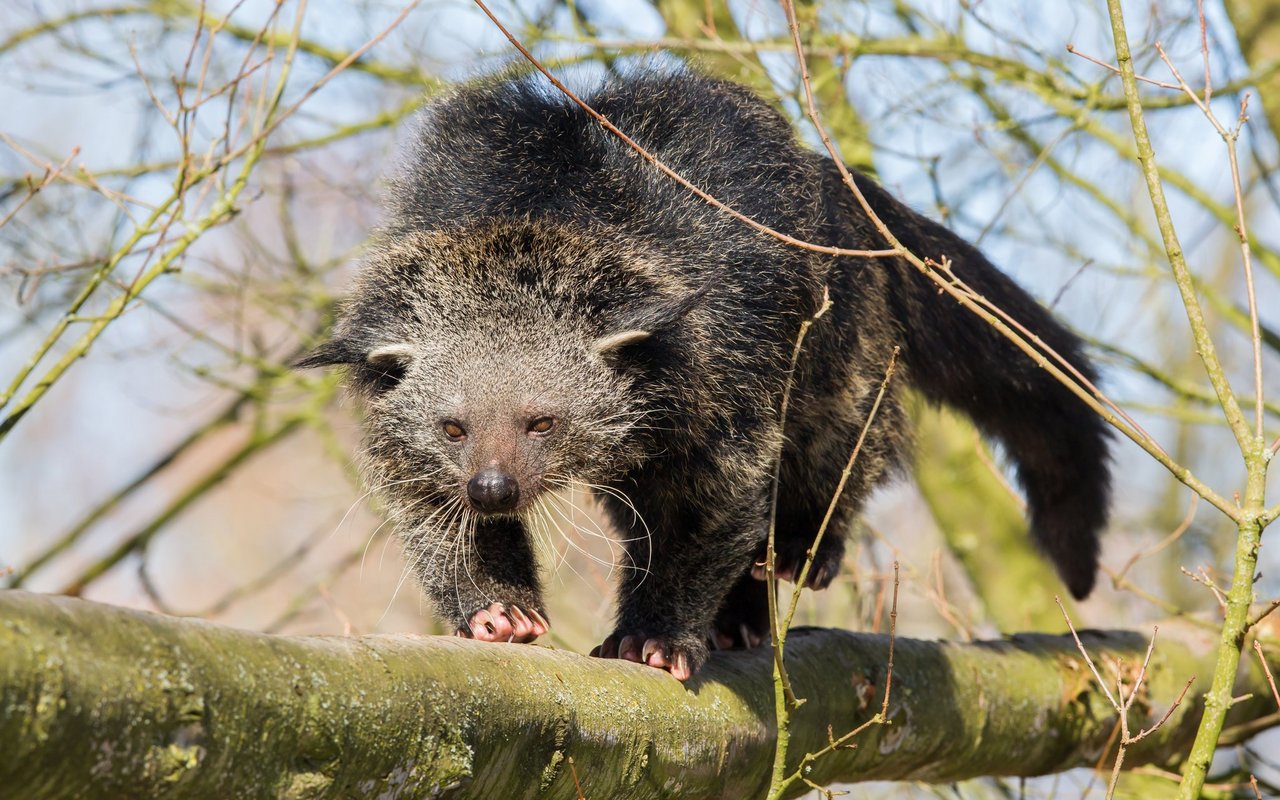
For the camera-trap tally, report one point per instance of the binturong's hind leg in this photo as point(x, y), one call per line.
point(666, 606)
point(484, 580)
point(817, 501)
point(797, 544)
point(743, 619)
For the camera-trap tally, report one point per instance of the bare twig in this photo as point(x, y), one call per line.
point(1201, 576)
point(1177, 261)
point(776, 630)
point(51, 174)
point(1231, 137)
point(1071, 48)
point(803, 576)
point(1250, 516)
point(780, 785)
point(1266, 668)
point(1046, 357)
point(1264, 613)
point(1125, 702)
point(1173, 536)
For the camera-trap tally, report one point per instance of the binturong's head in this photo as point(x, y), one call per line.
point(492, 368)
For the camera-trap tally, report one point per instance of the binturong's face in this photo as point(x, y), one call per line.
point(495, 415)
point(485, 385)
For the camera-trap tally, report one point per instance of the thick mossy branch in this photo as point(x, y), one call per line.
point(102, 702)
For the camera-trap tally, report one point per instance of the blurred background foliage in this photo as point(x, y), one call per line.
point(184, 188)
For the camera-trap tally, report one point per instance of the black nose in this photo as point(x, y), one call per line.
point(493, 490)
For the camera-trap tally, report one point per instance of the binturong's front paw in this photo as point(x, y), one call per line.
point(680, 657)
point(499, 622)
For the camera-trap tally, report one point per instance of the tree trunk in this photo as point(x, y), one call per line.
point(103, 702)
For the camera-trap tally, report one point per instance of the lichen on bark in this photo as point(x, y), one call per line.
point(103, 702)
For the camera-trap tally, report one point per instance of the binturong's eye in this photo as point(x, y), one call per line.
point(542, 425)
point(453, 430)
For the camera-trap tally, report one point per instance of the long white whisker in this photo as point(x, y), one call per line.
point(563, 555)
point(449, 510)
point(470, 521)
point(382, 525)
point(647, 537)
point(533, 522)
point(458, 554)
point(579, 529)
point(597, 533)
point(570, 483)
point(617, 494)
point(404, 574)
point(416, 547)
point(351, 508)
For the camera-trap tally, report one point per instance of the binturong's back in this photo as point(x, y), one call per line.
point(545, 310)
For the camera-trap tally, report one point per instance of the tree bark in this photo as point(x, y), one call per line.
point(103, 702)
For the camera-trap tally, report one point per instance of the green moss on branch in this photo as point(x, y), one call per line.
point(102, 702)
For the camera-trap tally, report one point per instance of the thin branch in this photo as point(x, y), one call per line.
point(1041, 354)
point(1271, 681)
point(778, 631)
point(1231, 137)
point(1173, 536)
point(803, 577)
point(1264, 613)
point(802, 770)
point(1071, 48)
point(1173, 248)
point(664, 169)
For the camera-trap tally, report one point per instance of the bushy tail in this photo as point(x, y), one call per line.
point(953, 356)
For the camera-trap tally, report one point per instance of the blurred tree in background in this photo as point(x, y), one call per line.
point(184, 187)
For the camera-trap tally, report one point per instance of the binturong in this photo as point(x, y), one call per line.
point(544, 310)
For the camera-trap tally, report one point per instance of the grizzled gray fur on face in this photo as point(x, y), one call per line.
point(545, 309)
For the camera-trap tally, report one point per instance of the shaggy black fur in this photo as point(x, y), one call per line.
point(534, 267)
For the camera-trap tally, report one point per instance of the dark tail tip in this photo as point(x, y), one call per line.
point(1079, 575)
point(1068, 535)
point(1064, 466)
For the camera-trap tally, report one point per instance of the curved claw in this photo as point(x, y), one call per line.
point(498, 622)
point(653, 651)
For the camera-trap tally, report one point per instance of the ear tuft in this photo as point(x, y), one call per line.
point(645, 319)
point(332, 353)
point(391, 355)
point(615, 341)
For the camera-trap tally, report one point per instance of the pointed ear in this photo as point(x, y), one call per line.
point(637, 324)
point(330, 354)
point(615, 341)
point(391, 355)
point(665, 313)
